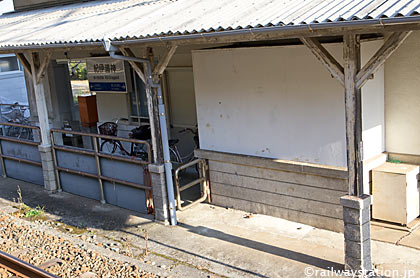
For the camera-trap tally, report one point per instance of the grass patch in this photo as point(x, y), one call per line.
point(33, 212)
point(26, 211)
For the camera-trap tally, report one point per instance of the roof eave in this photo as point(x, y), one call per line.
point(368, 26)
point(287, 31)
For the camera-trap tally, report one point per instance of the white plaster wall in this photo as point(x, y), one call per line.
point(111, 106)
point(373, 107)
point(181, 97)
point(279, 102)
point(402, 98)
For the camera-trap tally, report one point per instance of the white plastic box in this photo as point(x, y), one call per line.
point(395, 193)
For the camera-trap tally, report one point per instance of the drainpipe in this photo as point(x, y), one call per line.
point(163, 128)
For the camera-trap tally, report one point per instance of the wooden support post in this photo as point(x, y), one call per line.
point(353, 111)
point(38, 70)
point(151, 93)
point(325, 58)
point(153, 107)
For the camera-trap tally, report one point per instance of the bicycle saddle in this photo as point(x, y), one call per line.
point(141, 133)
point(173, 142)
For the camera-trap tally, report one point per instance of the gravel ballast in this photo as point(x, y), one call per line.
point(59, 254)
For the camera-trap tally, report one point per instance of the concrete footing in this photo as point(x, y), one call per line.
point(357, 245)
point(50, 182)
point(160, 196)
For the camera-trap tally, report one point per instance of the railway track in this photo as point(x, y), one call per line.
point(21, 269)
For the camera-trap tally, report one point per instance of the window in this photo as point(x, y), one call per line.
point(138, 100)
point(9, 63)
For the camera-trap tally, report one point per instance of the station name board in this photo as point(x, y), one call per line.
point(106, 75)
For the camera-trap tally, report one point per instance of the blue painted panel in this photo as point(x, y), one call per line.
point(21, 150)
point(23, 171)
point(76, 161)
point(122, 170)
point(125, 197)
point(83, 186)
point(107, 87)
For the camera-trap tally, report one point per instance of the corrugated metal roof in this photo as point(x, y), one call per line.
point(132, 19)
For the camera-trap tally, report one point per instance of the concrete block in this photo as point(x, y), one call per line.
point(357, 249)
point(356, 216)
point(285, 165)
point(317, 221)
point(49, 175)
point(160, 197)
point(357, 233)
point(278, 187)
point(50, 182)
point(357, 245)
point(356, 264)
point(280, 176)
point(44, 148)
point(356, 202)
point(278, 200)
point(158, 169)
point(161, 215)
point(47, 165)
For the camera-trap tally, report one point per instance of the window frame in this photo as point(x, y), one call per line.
point(20, 68)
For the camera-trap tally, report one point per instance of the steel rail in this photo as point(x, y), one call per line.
point(21, 268)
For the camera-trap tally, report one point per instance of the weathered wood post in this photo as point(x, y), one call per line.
point(356, 207)
point(163, 199)
point(38, 70)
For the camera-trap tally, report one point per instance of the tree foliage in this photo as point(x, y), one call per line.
point(78, 70)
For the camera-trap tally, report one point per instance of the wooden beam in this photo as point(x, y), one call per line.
point(332, 65)
point(353, 111)
point(383, 53)
point(163, 63)
point(43, 67)
point(136, 66)
point(25, 63)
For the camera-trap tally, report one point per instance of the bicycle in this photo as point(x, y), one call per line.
point(144, 133)
point(17, 114)
point(111, 145)
point(176, 156)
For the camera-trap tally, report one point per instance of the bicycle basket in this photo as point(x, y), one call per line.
point(108, 128)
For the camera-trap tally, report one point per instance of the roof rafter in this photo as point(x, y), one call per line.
point(322, 54)
point(377, 60)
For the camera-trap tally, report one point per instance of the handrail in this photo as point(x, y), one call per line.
point(202, 180)
point(20, 125)
point(107, 137)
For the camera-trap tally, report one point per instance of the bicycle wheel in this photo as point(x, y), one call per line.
point(174, 156)
point(108, 146)
point(121, 147)
point(139, 151)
